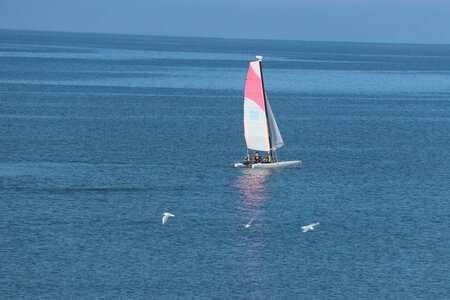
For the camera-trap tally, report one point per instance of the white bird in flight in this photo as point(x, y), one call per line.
point(309, 227)
point(166, 216)
point(248, 224)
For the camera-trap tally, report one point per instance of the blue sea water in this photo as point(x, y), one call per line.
point(102, 134)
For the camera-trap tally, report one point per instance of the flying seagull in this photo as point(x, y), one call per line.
point(248, 224)
point(309, 227)
point(166, 216)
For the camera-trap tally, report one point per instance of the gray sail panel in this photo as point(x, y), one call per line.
point(275, 136)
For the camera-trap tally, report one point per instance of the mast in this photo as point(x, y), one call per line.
point(265, 103)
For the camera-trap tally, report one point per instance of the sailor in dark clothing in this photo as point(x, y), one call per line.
point(268, 158)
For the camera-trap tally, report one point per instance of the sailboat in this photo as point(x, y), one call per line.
point(260, 128)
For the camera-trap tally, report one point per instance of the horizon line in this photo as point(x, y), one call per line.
point(220, 38)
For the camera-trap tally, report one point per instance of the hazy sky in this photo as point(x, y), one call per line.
point(415, 21)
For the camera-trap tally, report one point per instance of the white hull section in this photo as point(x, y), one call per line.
point(274, 165)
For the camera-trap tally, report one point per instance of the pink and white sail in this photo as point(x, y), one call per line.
point(260, 128)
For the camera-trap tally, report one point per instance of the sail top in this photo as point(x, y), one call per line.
point(253, 85)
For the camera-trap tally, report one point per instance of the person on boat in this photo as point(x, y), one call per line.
point(268, 158)
point(257, 158)
point(248, 159)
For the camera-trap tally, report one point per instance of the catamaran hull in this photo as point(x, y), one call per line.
point(275, 165)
